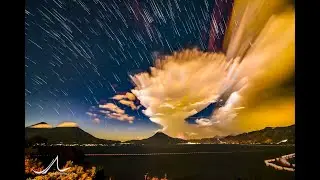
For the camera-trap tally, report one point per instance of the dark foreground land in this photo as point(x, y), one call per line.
point(219, 162)
point(188, 162)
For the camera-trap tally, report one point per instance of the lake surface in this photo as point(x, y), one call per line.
point(189, 162)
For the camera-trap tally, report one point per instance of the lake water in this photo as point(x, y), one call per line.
point(189, 162)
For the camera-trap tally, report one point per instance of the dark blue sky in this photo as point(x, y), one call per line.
point(80, 53)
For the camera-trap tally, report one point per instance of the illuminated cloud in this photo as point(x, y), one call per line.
point(119, 97)
point(94, 116)
point(68, 124)
point(184, 83)
point(104, 112)
point(227, 113)
point(114, 112)
point(181, 136)
point(128, 96)
point(41, 125)
point(91, 114)
point(121, 117)
point(112, 107)
point(127, 100)
point(96, 120)
point(204, 122)
point(128, 103)
point(189, 134)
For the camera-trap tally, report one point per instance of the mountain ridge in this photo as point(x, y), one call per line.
point(268, 135)
point(64, 135)
point(75, 135)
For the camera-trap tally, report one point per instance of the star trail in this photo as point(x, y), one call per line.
point(80, 53)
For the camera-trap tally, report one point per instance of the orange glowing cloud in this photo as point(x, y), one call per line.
point(41, 125)
point(128, 103)
point(112, 107)
point(128, 96)
point(119, 97)
point(68, 124)
point(114, 112)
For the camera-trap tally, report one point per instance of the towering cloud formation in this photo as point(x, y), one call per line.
point(185, 83)
point(256, 59)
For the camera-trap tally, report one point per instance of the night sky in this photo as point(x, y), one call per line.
point(80, 53)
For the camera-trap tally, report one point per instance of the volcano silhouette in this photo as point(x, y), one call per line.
point(158, 138)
